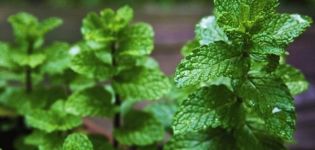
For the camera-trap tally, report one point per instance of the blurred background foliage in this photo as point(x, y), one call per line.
point(91, 3)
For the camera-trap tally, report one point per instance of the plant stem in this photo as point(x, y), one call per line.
point(117, 120)
point(28, 71)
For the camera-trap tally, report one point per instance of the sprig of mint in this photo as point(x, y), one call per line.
point(243, 89)
point(116, 52)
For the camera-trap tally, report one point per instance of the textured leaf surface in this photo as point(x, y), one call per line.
point(209, 107)
point(278, 31)
point(91, 102)
point(141, 83)
point(89, 65)
point(208, 63)
point(77, 141)
point(140, 128)
point(271, 99)
point(136, 40)
point(55, 119)
point(238, 15)
point(293, 78)
point(214, 139)
point(248, 138)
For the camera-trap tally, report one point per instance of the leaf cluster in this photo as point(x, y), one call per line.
point(243, 88)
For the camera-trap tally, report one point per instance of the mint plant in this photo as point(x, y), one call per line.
point(26, 64)
point(242, 85)
point(114, 56)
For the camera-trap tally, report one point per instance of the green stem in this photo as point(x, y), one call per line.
point(28, 71)
point(117, 118)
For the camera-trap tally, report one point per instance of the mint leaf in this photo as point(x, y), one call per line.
point(45, 141)
point(207, 31)
point(95, 101)
point(189, 47)
point(77, 141)
point(163, 111)
point(5, 60)
point(293, 78)
point(27, 27)
point(88, 64)
point(32, 60)
point(140, 83)
point(207, 63)
point(103, 28)
point(140, 128)
point(55, 118)
point(58, 59)
point(272, 101)
point(100, 143)
point(39, 99)
point(95, 28)
point(208, 107)
point(213, 139)
point(250, 138)
point(241, 15)
point(136, 40)
point(278, 31)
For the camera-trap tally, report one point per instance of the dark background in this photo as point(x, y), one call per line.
point(173, 22)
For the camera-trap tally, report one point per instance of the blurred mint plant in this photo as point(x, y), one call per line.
point(243, 86)
point(25, 66)
point(114, 57)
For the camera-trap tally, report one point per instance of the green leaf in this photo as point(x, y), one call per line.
point(272, 101)
point(208, 63)
point(189, 47)
point(5, 60)
point(45, 141)
point(207, 31)
point(140, 83)
point(58, 59)
point(163, 111)
point(27, 27)
point(96, 29)
point(213, 139)
point(32, 60)
point(88, 64)
point(23, 24)
point(100, 143)
point(240, 15)
point(140, 128)
point(126, 63)
point(293, 78)
point(248, 138)
point(208, 107)
point(104, 27)
point(97, 102)
point(136, 40)
point(49, 24)
point(277, 32)
point(55, 118)
point(23, 103)
point(77, 141)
